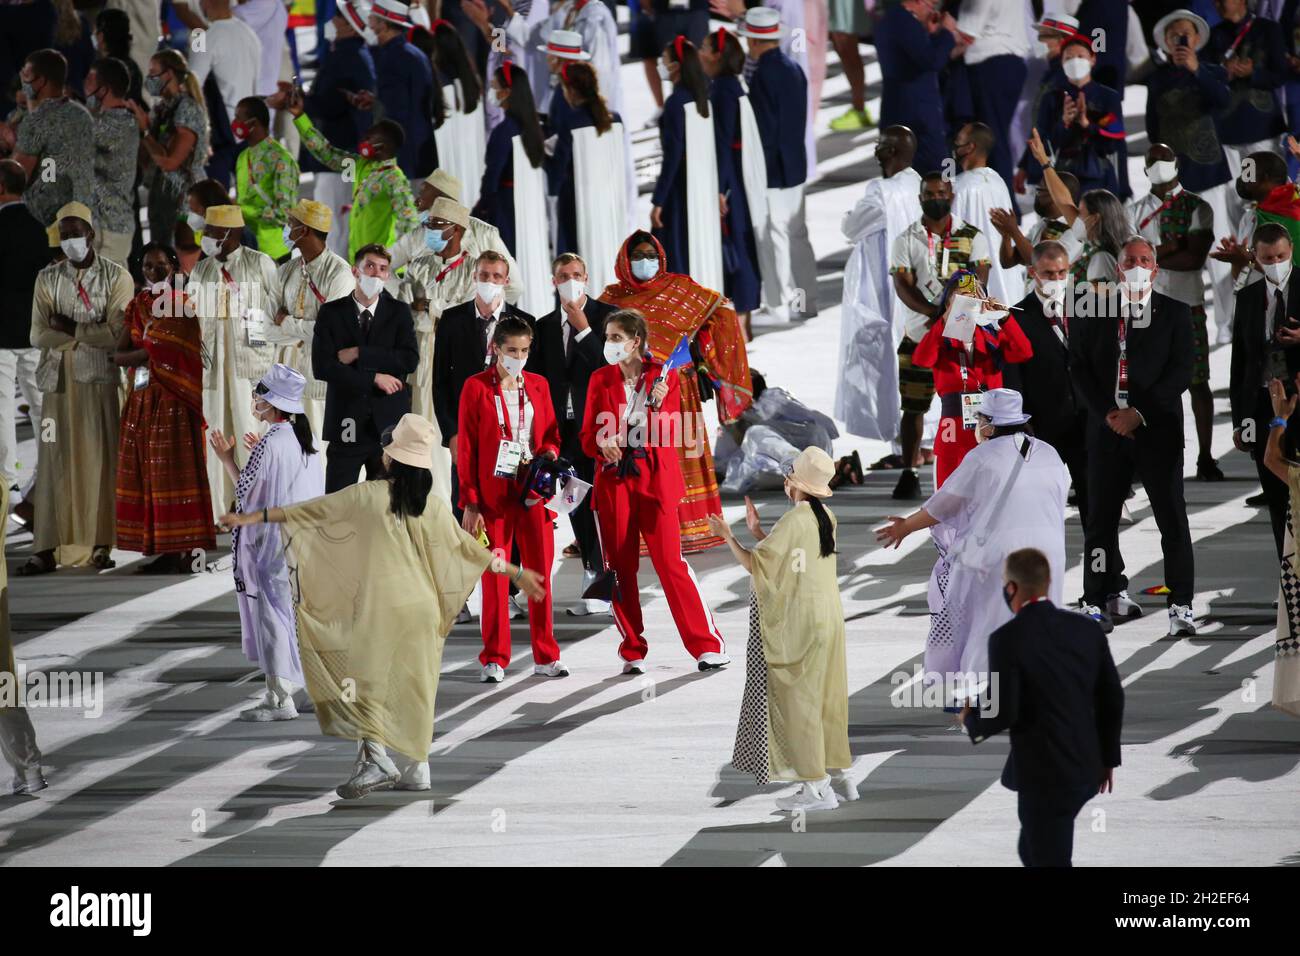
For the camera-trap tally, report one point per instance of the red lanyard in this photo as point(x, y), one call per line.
point(84, 296)
point(934, 259)
point(501, 415)
point(1241, 35)
point(320, 299)
point(229, 279)
point(1169, 201)
point(451, 265)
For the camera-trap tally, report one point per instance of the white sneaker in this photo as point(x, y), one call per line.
point(302, 700)
point(30, 780)
point(709, 661)
point(266, 710)
point(1121, 605)
point(845, 783)
point(414, 777)
point(463, 616)
point(518, 606)
point(810, 796)
point(1181, 621)
point(1098, 615)
point(492, 674)
point(368, 778)
point(553, 669)
point(634, 667)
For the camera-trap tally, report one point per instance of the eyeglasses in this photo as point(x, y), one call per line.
point(787, 468)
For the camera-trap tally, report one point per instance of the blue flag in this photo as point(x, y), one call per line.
point(680, 356)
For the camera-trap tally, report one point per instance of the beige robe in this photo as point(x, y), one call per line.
point(76, 470)
point(802, 622)
point(371, 643)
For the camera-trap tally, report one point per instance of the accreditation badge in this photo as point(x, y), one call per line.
point(509, 456)
point(970, 407)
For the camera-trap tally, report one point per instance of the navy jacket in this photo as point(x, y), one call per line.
point(1090, 154)
point(1111, 17)
point(910, 61)
point(346, 66)
point(1180, 113)
point(405, 90)
point(1253, 112)
point(779, 94)
point(1059, 694)
point(560, 173)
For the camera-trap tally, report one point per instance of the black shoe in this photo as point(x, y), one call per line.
point(908, 487)
point(1257, 501)
point(1207, 469)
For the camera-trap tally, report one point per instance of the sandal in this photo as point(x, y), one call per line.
point(888, 463)
point(38, 564)
point(101, 559)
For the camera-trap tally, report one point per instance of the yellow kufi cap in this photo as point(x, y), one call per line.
point(74, 210)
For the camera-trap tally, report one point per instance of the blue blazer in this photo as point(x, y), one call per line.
point(348, 66)
point(405, 88)
point(910, 61)
point(1244, 121)
point(778, 92)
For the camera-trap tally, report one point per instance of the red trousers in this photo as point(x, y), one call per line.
point(624, 510)
point(950, 447)
point(536, 540)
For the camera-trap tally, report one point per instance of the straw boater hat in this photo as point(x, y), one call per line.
point(411, 441)
point(312, 214)
point(284, 388)
point(355, 14)
point(402, 14)
point(73, 210)
point(445, 183)
point(1003, 406)
point(762, 23)
point(448, 210)
point(224, 217)
point(565, 44)
point(811, 472)
point(1061, 23)
point(1202, 28)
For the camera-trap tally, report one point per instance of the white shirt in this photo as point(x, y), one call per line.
point(1186, 286)
point(1134, 313)
point(566, 327)
point(233, 51)
point(524, 437)
point(1000, 28)
point(916, 251)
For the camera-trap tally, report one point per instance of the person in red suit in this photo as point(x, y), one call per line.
point(966, 369)
point(632, 427)
point(505, 420)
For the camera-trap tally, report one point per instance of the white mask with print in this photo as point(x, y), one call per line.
point(616, 352)
point(572, 290)
point(514, 366)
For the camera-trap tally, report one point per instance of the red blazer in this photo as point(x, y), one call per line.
point(936, 352)
point(479, 437)
point(605, 401)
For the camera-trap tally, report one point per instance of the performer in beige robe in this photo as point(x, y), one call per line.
point(302, 285)
point(232, 292)
point(372, 643)
point(78, 311)
point(794, 721)
point(17, 736)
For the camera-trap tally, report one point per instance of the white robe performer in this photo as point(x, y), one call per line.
point(1008, 493)
point(602, 212)
point(301, 288)
point(532, 232)
point(231, 298)
point(975, 192)
point(871, 327)
point(462, 141)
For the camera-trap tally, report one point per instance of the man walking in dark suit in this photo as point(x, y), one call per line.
point(1131, 363)
point(1265, 345)
point(1054, 686)
point(363, 348)
point(568, 347)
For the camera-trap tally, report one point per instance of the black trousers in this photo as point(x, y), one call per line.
point(342, 467)
point(1275, 490)
point(582, 518)
point(1113, 461)
point(1072, 445)
point(1047, 824)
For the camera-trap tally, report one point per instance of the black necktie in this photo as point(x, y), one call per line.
point(364, 322)
point(572, 345)
point(1275, 363)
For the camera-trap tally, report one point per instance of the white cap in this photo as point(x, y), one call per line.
point(762, 23)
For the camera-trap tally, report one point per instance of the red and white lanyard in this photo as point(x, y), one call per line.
point(84, 296)
point(1169, 201)
point(945, 245)
point(501, 414)
point(1241, 35)
point(1121, 380)
point(320, 299)
point(449, 266)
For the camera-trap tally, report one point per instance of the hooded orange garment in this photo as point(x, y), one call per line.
point(675, 305)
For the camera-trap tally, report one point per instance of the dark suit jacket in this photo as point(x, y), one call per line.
point(778, 93)
point(1159, 367)
point(547, 358)
point(1059, 694)
point(24, 251)
point(458, 353)
point(1249, 348)
point(1044, 380)
point(351, 393)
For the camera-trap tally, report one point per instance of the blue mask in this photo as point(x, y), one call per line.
point(645, 269)
point(435, 240)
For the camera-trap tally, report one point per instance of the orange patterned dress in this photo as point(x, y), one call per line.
point(675, 305)
point(163, 500)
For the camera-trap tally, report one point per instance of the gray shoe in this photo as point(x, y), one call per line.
point(30, 780)
point(367, 779)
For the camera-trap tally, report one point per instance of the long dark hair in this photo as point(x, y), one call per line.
point(581, 79)
point(301, 427)
point(521, 107)
point(451, 59)
point(682, 52)
point(115, 26)
point(825, 527)
point(408, 488)
point(728, 47)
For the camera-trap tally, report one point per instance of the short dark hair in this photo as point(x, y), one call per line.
point(509, 327)
point(391, 131)
point(372, 249)
point(12, 177)
point(114, 74)
point(210, 193)
point(982, 135)
point(255, 106)
point(934, 175)
point(1269, 167)
point(1271, 232)
point(1030, 569)
point(1071, 183)
point(1051, 247)
point(50, 65)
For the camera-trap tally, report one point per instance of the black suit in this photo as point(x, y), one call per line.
point(356, 410)
point(459, 352)
point(1059, 694)
point(1045, 384)
point(567, 373)
point(24, 251)
point(1159, 370)
point(1256, 354)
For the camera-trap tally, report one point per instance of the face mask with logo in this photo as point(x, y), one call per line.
point(571, 290)
point(1277, 272)
point(369, 286)
point(209, 246)
point(514, 366)
point(616, 352)
point(75, 248)
point(435, 240)
point(1137, 279)
point(487, 292)
point(366, 149)
point(645, 269)
point(936, 209)
point(1164, 171)
point(240, 129)
point(153, 85)
point(1076, 68)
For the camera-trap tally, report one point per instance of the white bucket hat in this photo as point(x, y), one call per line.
point(284, 387)
point(1003, 406)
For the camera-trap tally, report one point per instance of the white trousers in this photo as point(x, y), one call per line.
point(788, 264)
point(17, 369)
point(335, 193)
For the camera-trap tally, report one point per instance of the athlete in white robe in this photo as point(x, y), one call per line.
point(976, 190)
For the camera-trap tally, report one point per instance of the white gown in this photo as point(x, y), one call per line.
point(601, 211)
point(532, 234)
point(975, 192)
point(462, 143)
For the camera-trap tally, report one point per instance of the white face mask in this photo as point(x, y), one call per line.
point(514, 366)
point(75, 249)
point(1077, 68)
point(195, 221)
point(1137, 280)
point(209, 246)
point(488, 292)
point(1164, 171)
point(572, 290)
point(1053, 288)
point(616, 352)
point(369, 286)
point(1277, 272)
point(287, 233)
